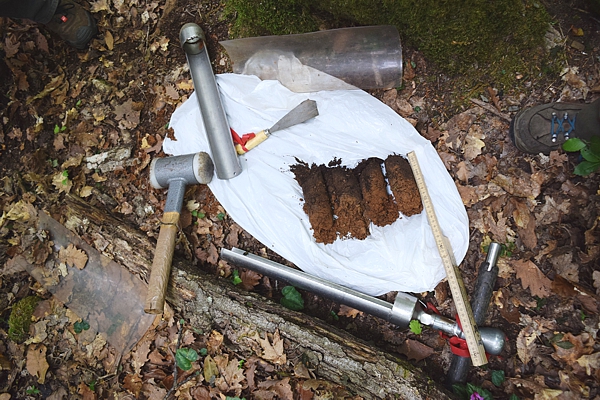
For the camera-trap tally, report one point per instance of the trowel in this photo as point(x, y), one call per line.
point(299, 114)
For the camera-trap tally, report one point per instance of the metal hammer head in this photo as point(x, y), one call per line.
point(191, 168)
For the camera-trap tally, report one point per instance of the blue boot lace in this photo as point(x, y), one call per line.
point(558, 126)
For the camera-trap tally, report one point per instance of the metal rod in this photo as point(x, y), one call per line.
point(404, 309)
point(220, 141)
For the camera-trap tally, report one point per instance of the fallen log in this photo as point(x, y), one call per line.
point(212, 303)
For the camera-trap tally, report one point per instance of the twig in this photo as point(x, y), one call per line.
point(491, 109)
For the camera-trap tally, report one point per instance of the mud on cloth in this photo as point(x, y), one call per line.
point(266, 201)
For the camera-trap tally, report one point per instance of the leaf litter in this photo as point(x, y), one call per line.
point(111, 106)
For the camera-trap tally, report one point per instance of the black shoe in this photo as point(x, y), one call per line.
point(73, 24)
point(544, 128)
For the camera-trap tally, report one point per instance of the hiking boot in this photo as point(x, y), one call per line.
point(544, 128)
point(73, 24)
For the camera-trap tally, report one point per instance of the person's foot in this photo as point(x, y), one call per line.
point(544, 128)
point(73, 24)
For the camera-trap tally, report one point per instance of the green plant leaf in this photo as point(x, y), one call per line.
point(415, 327)
point(292, 298)
point(185, 357)
point(460, 391)
point(56, 129)
point(498, 377)
point(513, 397)
point(573, 144)
point(588, 154)
point(81, 326)
point(203, 351)
point(220, 216)
point(565, 345)
point(235, 277)
point(585, 168)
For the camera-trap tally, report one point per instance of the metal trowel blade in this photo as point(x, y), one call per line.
point(301, 113)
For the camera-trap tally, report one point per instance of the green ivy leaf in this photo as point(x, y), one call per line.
point(185, 357)
point(81, 326)
point(415, 327)
point(513, 397)
point(292, 298)
point(573, 144)
point(585, 168)
point(203, 351)
point(498, 377)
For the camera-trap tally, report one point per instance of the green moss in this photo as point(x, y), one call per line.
point(487, 40)
point(20, 318)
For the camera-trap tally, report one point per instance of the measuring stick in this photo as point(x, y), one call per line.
point(457, 286)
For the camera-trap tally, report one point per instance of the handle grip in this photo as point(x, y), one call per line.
point(252, 143)
point(161, 265)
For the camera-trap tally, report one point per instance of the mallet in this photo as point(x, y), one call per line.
point(174, 173)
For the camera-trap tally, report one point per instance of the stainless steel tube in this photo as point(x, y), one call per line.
point(227, 164)
point(404, 309)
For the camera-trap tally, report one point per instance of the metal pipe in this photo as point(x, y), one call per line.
point(220, 141)
point(404, 309)
point(484, 288)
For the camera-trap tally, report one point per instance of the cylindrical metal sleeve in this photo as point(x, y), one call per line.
point(220, 141)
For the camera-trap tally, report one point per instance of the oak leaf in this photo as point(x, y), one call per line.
point(272, 351)
point(350, 312)
point(73, 257)
point(37, 365)
point(531, 277)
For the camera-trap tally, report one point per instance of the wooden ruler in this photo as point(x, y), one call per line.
point(457, 286)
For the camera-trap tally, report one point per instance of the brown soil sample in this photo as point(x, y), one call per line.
point(378, 204)
point(316, 201)
point(403, 185)
point(346, 199)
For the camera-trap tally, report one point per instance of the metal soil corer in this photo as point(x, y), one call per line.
point(227, 164)
point(404, 309)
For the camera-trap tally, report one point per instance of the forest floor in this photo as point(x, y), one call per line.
point(61, 109)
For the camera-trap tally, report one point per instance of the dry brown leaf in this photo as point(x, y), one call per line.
point(590, 362)
point(109, 40)
point(232, 375)
point(526, 347)
point(73, 257)
point(249, 279)
point(519, 183)
point(133, 384)
point(214, 343)
point(272, 351)
point(36, 362)
point(531, 277)
point(350, 312)
point(281, 388)
point(415, 350)
point(473, 142)
point(11, 45)
point(210, 369)
point(569, 354)
point(62, 182)
point(140, 356)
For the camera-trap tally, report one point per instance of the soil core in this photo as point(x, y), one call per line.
point(341, 202)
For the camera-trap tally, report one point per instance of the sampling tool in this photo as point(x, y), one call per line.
point(299, 114)
point(174, 173)
point(404, 309)
point(221, 145)
point(484, 289)
point(457, 286)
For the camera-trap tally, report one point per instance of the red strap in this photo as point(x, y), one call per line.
point(241, 140)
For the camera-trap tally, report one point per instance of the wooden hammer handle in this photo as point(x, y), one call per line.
point(161, 265)
point(252, 143)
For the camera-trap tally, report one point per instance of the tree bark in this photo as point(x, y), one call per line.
point(211, 303)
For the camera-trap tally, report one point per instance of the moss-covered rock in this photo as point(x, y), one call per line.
point(20, 318)
point(504, 37)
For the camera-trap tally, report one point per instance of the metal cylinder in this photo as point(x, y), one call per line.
point(220, 141)
point(404, 309)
